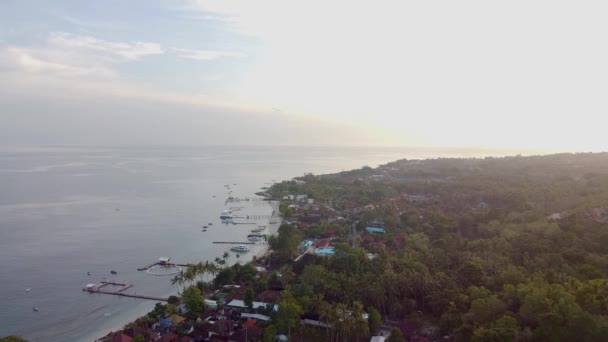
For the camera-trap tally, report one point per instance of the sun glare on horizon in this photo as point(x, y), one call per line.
point(395, 73)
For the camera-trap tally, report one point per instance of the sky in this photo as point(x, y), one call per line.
point(510, 74)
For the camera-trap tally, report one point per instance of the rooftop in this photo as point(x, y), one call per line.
point(375, 230)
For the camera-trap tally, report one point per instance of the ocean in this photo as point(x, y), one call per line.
point(66, 211)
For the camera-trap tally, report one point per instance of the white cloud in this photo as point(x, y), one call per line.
point(204, 55)
point(122, 50)
point(26, 60)
point(70, 55)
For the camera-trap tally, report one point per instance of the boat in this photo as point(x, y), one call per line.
point(226, 215)
point(204, 226)
point(204, 230)
point(255, 237)
point(210, 223)
point(239, 248)
point(35, 308)
point(88, 273)
point(28, 289)
point(273, 222)
point(113, 272)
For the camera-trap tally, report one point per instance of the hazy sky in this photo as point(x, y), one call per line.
point(457, 73)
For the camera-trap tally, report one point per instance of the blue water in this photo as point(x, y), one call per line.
point(66, 211)
point(325, 251)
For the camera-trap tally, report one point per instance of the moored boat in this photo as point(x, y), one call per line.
point(239, 248)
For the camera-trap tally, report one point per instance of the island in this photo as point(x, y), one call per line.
point(476, 249)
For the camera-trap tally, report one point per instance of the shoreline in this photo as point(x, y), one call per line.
point(272, 229)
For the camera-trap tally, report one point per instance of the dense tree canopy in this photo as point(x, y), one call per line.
point(493, 249)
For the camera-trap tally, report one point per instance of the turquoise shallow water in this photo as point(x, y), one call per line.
point(66, 211)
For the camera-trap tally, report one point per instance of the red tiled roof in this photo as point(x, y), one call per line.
point(122, 338)
point(322, 243)
point(269, 296)
point(169, 337)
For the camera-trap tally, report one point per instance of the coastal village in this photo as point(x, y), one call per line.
point(238, 309)
point(393, 254)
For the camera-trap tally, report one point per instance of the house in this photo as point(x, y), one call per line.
point(122, 337)
point(169, 337)
point(482, 205)
point(236, 303)
point(257, 317)
point(269, 296)
point(322, 243)
point(310, 218)
point(225, 327)
point(165, 323)
point(252, 333)
point(145, 331)
point(554, 217)
point(249, 322)
point(176, 319)
point(375, 230)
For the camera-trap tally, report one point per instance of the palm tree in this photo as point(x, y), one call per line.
point(211, 268)
point(178, 279)
point(190, 274)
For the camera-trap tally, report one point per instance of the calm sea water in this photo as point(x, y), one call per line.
point(66, 211)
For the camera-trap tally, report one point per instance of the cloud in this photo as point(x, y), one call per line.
point(204, 55)
point(26, 60)
point(121, 50)
point(71, 55)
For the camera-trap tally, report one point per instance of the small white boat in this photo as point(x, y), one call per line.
point(28, 289)
point(35, 308)
point(240, 248)
point(255, 237)
point(226, 215)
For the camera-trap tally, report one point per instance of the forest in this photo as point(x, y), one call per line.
point(492, 249)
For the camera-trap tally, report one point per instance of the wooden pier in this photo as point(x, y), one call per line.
point(235, 243)
point(168, 264)
point(98, 288)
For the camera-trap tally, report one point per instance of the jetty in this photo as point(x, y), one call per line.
point(235, 243)
point(164, 262)
point(99, 288)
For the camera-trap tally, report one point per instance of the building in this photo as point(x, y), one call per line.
point(375, 230)
point(237, 303)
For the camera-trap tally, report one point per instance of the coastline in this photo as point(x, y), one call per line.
point(103, 332)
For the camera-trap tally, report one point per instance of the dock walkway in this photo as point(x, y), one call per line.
point(98, 288)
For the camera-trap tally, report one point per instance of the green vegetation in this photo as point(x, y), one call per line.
point(494, 249)
point(193, 299)
point(12, 338)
